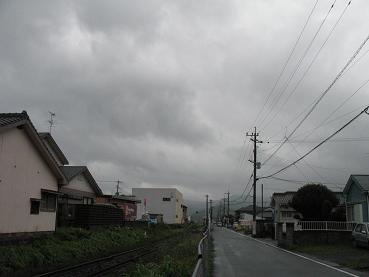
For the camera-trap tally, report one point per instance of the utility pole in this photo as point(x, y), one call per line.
point(220, 211)
point(227, 208)
point(224, 200)
point(211, 211)
point(207, 211)
point(262, 201)
point(254, 136)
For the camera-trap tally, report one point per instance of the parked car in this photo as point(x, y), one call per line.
point(360, 235)
point(219, 224)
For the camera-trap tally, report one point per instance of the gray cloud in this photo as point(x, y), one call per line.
point(161, 92)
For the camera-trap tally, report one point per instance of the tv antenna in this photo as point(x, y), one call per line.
point(51, 121)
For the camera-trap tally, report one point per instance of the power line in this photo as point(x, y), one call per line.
point(317, 146)
point(308, 68)
point(286, 62)
point(297, 67)
point(308, 164)
point(358, 139)
point(338, 107)
point(321, 97)
point(328, 122)
point(299, 182)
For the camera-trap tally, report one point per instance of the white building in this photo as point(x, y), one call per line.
point(283, 211)
point(165, 201)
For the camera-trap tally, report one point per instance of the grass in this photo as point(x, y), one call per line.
point(177, 261)
point(343, 254)
point(73, 245)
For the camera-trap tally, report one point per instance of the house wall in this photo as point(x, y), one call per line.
point(171, 210)
point(79, 184)
point(23, 173)
point(356, 196)
point(279, 212)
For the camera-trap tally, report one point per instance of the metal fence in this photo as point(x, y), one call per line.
point(201, 266)
point(324, 226)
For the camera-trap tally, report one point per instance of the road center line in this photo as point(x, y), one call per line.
point(295, 254)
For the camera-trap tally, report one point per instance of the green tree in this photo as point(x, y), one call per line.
point(314, 202)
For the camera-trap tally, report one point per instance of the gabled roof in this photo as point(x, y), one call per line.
point(22, 121)
point(72, 171)
point(362, 181)
point(11, 119)
point(46, 136)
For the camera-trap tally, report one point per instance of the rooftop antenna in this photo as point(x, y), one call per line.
point(51, 121)
point(118, 188)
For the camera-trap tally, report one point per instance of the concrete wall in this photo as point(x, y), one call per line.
point(171, 210)
point(290, 237)
point(23, 173)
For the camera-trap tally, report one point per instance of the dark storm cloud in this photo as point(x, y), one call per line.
point(160, 93)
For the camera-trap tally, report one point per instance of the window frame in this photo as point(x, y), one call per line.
point(167, 199)
point(45, 204)
point(35, 210)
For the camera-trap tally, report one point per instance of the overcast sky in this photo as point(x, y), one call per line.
point(161, 93)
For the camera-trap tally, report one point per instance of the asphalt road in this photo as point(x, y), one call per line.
point(237, 255)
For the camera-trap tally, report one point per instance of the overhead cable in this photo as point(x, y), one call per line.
point(308, 68)
point(336, 109)
point(286, 62)
point(317, 146)
point(297, 67)
point(320, 98)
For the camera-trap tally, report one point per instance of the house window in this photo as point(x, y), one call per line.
point(287, 214)
point(48, 202)
point(35, 206)
point(88, 200)
point(166, 198)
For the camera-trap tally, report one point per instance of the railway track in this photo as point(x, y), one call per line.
point(105, 265)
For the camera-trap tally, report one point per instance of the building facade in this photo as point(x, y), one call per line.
point(356, 194)
point(283, 211)
point(127, 203)
point(29, 178)
point(165, 201)
point(80, 189)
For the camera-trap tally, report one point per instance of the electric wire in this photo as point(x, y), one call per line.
point(275, 115)
point(317, 146)
point(293, 140)
point(297, 67)
point(336, 109)
point(286, 62)
point(321, 97)
point(303, 182)
point(308, 164)
point(295, 118)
